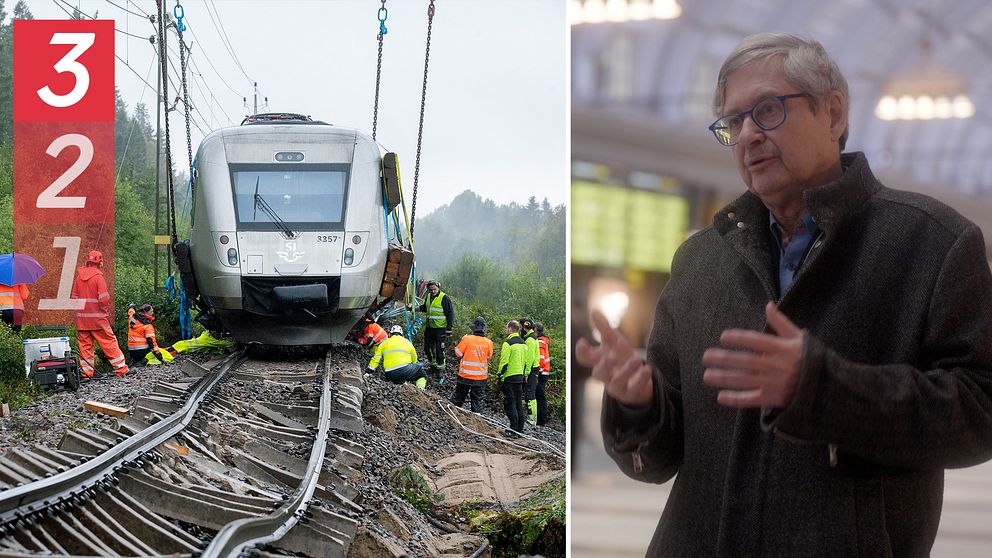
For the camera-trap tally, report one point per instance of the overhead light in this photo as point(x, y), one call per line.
point(926, 93)
point(665, 9)
point(619, 11)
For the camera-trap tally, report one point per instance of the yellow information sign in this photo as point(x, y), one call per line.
point(614, 226)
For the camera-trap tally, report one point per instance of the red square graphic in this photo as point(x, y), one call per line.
point(63, 70)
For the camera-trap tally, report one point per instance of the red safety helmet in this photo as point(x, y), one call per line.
point(95, 256)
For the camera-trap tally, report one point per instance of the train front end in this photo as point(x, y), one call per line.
point(287, 239)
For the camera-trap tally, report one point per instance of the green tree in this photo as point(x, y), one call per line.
point(134, 226)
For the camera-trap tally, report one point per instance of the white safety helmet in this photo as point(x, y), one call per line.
point(396, 329)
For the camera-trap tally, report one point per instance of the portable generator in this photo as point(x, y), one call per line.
point(49, 362)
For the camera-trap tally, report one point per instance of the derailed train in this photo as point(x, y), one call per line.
point(297, 230)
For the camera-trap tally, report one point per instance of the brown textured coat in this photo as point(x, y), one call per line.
point(895, 384)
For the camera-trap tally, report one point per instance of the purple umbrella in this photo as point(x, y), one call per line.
point(19, 268)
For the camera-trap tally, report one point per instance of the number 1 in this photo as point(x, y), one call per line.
point(63, 300)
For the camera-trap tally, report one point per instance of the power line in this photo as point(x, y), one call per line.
point(219, 26)
point(133, 70)
point(190, 27)
point(143, 14)
point(149, 39)
point(87, 16)
point(192, 113)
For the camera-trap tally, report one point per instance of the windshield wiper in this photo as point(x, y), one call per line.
point(260, 202)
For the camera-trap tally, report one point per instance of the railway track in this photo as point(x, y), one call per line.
point(240, 459)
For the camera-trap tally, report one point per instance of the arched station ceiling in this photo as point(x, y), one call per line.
point(641, 90)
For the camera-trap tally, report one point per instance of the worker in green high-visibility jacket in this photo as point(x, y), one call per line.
point(533, 368)
point(440, 317)
point(514, 363)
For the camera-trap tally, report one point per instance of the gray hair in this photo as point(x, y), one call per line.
point(807, 66)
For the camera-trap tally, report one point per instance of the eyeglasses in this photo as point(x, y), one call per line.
point(767, 114)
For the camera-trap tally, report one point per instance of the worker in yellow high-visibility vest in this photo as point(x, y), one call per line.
point(399, 359)
point(440, 318)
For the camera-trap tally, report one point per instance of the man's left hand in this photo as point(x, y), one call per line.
point(759, 369)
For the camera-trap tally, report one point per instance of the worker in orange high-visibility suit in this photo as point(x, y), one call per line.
point(93, 321)
point(12, 304)
point(545, 366)
point(372, 335)
point(474, 350)
point(141, 335)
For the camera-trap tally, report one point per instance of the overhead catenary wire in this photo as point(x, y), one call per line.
point(219, 26)
point(193, 33)
point(143, 14)
point(62, 5)
point(87, 16)
point(134, 71)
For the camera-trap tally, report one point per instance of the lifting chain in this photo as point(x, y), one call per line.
point(381, 15)
point(420, 130)
point(162, 55)
point(183, 49)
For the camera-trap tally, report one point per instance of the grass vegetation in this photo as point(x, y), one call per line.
point(411, 486)
point(535, 527)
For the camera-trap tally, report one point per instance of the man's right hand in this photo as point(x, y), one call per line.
point(626, 376)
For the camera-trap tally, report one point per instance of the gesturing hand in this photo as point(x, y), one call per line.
point(627, 377)
point(765, 369)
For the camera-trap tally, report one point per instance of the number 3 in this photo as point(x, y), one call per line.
point(68, 63)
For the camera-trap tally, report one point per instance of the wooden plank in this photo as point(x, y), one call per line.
point(105, 408)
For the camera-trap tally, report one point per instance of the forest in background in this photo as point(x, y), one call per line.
point(509, 234)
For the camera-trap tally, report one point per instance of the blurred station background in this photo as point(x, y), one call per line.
point(646, 174)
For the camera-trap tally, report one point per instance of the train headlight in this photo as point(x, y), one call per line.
point(232, 256)
point(349, 256)
point(289, 156)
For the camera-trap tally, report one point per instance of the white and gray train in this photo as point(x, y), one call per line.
point(293, 224)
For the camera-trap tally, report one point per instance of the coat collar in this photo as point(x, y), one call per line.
point(744, 222)
point(829, 205)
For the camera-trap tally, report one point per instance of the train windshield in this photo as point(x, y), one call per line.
point(296, 197)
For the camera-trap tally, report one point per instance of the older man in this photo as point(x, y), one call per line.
point(821, 353)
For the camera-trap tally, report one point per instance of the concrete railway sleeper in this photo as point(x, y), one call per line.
point(230, 463)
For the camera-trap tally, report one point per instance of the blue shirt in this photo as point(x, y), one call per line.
point(791, 255)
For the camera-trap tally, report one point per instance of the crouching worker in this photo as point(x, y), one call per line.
point(372, 335)
point(399, 359)
point(141, 342)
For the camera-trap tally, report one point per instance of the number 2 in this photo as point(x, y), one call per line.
point(68, 63)
point(49, 197)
